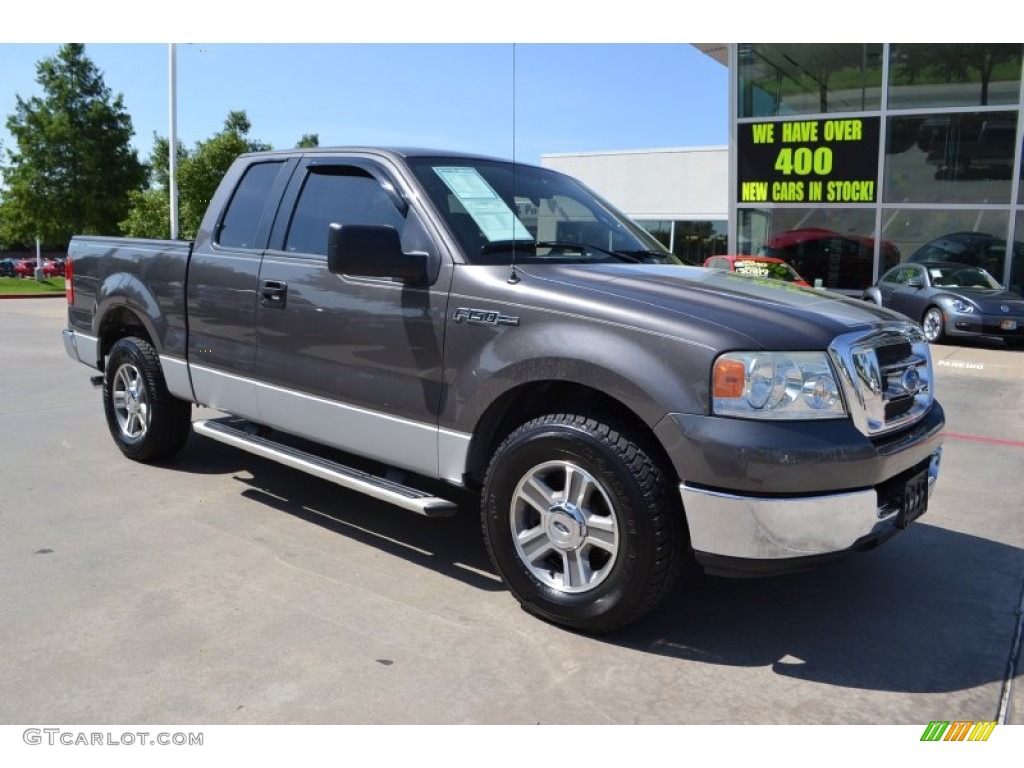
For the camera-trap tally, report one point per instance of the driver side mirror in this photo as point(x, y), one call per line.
point(372, 250)
point(916, 282)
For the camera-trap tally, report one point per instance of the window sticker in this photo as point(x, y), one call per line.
point(756, 268)
point(495, 219)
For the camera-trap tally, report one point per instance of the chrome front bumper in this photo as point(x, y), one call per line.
point(760, 528)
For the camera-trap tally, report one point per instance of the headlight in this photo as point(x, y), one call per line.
point(776, 385)
point(961, 306)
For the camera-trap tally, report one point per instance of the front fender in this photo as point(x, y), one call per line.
point(649, 373)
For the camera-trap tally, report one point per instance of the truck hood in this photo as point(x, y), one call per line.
point(709, 306)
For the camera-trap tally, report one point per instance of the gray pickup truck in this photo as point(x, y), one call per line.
point(500, 328)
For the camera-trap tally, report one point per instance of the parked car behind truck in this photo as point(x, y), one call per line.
point(501, 328)
point(951, 299)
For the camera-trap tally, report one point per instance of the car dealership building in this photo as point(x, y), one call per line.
point(843, 159)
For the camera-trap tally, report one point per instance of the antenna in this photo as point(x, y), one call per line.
point(514, 277)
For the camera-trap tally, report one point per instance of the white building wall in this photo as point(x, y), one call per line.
point(684, 183)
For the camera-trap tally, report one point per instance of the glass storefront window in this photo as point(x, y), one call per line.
point(1016, 279)
point(959, 157)
point(696, 241)
point(951, 156)
point(977, 238)
point(829, 247)
point(691, 241)
point(953, 74)
point(1020, 186)
point(795, 79)
point(660, 230)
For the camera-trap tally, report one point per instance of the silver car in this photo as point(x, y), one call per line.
point(951, 300)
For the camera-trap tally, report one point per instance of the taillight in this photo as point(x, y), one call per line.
point(69, 288)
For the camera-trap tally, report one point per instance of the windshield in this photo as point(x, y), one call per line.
point(959, 276)
point(496, 209)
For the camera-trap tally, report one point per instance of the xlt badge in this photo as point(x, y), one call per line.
point(483, 317)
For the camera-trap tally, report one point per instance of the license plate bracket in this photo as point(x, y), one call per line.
point(914, 501)
point(1008, 325)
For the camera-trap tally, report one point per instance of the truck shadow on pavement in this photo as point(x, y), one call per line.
point(931, 611)
point(451, 546)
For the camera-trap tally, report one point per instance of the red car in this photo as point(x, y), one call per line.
point(51, 268)
point(758, 266)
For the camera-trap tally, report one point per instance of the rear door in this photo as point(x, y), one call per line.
point(351, 362)
point(222, 282)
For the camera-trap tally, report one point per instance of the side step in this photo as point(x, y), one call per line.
point(227, 431)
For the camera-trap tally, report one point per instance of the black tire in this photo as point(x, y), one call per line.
point(934, 325)
point(145, 420)
point(622, 543)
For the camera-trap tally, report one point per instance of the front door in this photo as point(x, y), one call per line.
point(351, 362)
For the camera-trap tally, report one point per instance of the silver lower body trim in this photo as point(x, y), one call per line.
point(761, 529)
point(452, 450)
point(403, 443)
point(379, 488)
point(176, 375)
point(82, 348)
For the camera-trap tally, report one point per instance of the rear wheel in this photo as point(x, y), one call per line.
point(582, 523)
point(934, 325)
point(145, 420)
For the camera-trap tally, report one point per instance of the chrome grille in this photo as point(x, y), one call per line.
point(886, 376)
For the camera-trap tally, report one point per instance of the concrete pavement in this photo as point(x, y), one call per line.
point(221, 588)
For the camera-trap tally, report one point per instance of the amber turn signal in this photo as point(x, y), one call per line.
point(729, 378)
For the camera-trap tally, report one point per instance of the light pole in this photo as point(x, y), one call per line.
point(172, 88)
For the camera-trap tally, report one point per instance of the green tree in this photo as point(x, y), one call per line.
point(72, 168)
point(149, 211)
point(308, 141)
point(949, 62)
point(199, 173)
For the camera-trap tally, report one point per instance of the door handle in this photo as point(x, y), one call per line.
point(273, 294)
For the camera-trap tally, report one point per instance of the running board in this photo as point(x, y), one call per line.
point(379, 488)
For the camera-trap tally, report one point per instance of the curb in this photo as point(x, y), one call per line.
point(53, 295)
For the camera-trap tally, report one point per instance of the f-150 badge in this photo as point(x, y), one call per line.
point(483, 317)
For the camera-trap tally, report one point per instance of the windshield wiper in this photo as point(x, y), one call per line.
point(505, 245)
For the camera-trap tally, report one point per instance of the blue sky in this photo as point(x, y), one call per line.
point(464, 96)
point(587, 77)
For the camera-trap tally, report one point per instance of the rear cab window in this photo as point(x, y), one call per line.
point(248, 206)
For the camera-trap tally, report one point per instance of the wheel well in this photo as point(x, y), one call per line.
point(116, 325)
point(520, 405)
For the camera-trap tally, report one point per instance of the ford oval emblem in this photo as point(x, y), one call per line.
point(911, 381)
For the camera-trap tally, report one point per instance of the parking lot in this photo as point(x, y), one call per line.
point(222, 588)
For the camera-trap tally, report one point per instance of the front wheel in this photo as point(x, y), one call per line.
point(146, 421)
point(584, 526)
point(934, 325)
